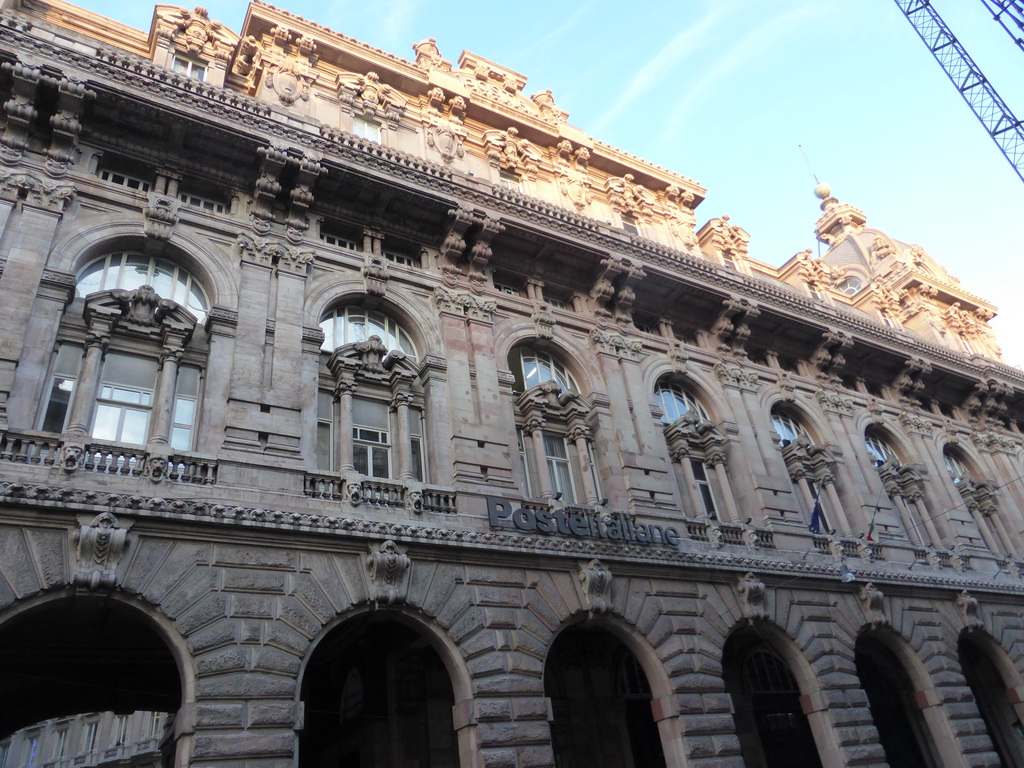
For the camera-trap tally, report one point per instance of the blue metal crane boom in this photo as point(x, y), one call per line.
point(1004, 128)
point(1012, 9)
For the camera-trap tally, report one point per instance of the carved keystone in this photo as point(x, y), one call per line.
point(100, 545)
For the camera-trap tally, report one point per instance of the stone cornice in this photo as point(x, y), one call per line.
point(72, 501)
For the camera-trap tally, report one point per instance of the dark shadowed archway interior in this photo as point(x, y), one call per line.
point(770, 722)
point(601, 703)
point(902, 730)
point(377, 695)
point(82, 654)
point(990, 693)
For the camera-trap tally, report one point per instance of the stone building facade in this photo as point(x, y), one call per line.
point(359, 410)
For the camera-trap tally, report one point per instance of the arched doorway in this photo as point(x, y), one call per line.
point(377, 695)
point(989, 689)
point(770, 722)
point(902, 730)
point(600, 702)
point(86, 663)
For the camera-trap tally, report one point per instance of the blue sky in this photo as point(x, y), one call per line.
point(724, 91)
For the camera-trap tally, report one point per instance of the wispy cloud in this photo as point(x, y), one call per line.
point(660, 67)
point(548, 40)
point(752, 45)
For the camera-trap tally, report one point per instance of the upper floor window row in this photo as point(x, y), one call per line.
point(129, 270)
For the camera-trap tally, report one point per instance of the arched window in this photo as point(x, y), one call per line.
point(955, 466)
point(850, 286)
point(786, 426)
point(554, 438)
point(130, 270)
point(878, 448)
point(676, 402)
point(347, 325)
point(372, 423)
point(697, 450)
point(531, 367)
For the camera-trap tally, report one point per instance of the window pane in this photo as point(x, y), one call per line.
point(417, 459)
point(324, 434)
point(370, 413)
point(188, 381)
point(131, 371)
point(134, 430)
point(554, 446)
point(380, 462)
point(106, 422)
point(561, 479)
point(58, 405)
point(181, 439)
point(361, 459)
point(68, 360)
point(184, 411)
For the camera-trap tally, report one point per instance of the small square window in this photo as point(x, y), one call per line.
point(189, 68)
point(366, 129)
point(509, 180)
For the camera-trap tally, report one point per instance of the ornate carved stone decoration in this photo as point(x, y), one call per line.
point(751, 592)
point(730, 242)
point(72, 96)
point(881, 249)
point(193, 32)
point(571, 169)
point(301, 196)
point(808, 460)
point(100, 545)
point(484, 231)
point(365, 95)
point(987, 405)
point(291, 80)
point(268, 186)
point(543, 322)
point(838, 220)
point(388, 567)
point(428, 55)
point(20, 108)
point(970, 610)
point(731, 328)
point(71, 457)
point(270, 253)
point(828, 358)
point(506, 150)
point(161, 216)
point(872, 600)
point(915, 422)
point(36, 192)
point(596, 581)
point(834, 402)
point(376, 275)
point(466, 304)
point(446, 136)
point(815, 272)
point(733, 376)
point(615, 344)
point(909, 383)
point(676, 207)
point(546, 106)
point(454, 245)
point(628, 198)
point(690, 437)
point(887, 302)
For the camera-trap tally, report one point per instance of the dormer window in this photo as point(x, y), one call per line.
point(851, 286)
point(189, 68)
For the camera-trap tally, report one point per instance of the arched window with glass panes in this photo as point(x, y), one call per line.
point(697, 449)
point(134, 376)
point(902, 486)
point(980, 498)
point(553, 435)
point(811, 467)
point(370, 412)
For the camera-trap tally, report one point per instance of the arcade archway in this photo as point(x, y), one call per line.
point(376, 693)
point(600, 702)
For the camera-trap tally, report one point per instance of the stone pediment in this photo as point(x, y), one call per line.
point(141, 312)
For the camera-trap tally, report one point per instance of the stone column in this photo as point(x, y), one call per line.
point(725, 487)
point(580, 435)
point(535, 431)
point(343, 437)
point(401, 444)
point(163, 397)
point(84, 400)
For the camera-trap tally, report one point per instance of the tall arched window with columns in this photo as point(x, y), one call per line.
point(371, 421)
point(980, 496)
point(811, 467)
point(131, 375)
point(903, 487)
point(697, 449)
point(553, 430)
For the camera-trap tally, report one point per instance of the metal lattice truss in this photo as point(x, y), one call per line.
point(1004, 128)
point(1013, 10)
